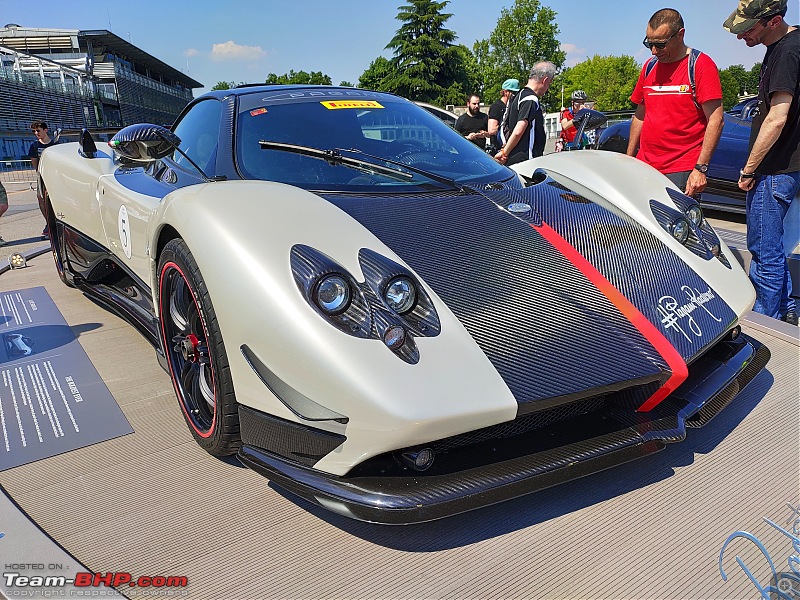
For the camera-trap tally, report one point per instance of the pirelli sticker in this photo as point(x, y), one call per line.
point(337, 104)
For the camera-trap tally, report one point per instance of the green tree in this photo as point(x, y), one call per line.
point(223, 85)
point(378, 75)
point(738, 81)
point(300, 77)
point(345, 84)
point(739, 75)
point(427, 65)
point(752, 82)
point(608, 80)
point(730, 88)
point(488, 78)
point(525, 34)
point(461, 72)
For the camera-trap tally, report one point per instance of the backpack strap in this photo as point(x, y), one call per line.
point(693, 56)
point(650, 65)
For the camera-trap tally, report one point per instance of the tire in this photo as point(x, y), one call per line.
point(195, 352)
point(56, 246)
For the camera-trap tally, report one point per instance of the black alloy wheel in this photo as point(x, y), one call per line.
point(195, 352)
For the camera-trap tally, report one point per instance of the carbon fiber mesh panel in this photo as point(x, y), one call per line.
point(546, 329)
point(670, 294)
point(296, 442)
point(714, 406)
point(521, 424)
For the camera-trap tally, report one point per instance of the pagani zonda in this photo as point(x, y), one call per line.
point(380, 318)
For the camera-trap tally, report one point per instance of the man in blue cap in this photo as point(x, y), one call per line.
point(496, 110)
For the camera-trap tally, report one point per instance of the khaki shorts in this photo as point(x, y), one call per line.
point(3, 195)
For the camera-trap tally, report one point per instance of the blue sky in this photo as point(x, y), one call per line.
point(238, 41)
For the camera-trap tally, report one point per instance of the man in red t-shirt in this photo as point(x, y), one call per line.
point(675, 131)
point(568, 129)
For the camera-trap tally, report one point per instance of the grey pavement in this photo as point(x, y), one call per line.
point(21, 226)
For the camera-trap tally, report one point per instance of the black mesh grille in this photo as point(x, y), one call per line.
point(521, 424)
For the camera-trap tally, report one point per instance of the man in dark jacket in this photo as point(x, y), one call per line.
point(43, 140)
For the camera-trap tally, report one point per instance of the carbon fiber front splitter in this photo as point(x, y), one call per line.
point(416, 498)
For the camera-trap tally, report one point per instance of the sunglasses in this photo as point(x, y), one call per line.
point(660, 45)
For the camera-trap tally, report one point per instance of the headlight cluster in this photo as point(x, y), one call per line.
point(695, 214)
point(332, 294)
point(400, 295)
point(680, 229)
point(688, 226)
point(389, 305)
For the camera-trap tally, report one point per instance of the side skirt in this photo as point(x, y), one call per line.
point(95, 271)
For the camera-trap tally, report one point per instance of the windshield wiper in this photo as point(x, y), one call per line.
point(433, 176)
point(334, 157)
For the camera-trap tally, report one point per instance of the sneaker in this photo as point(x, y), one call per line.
point(790, 317)
point(45, 233)
point(3, 242)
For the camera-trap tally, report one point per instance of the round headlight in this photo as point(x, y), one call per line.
point(680, 230)
point(400, 295)
point(695, 214)
point(332, 294)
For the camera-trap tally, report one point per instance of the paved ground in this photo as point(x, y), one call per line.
point(21, 225)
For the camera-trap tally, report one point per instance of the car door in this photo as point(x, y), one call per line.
point(129, 196)
point(127, 199)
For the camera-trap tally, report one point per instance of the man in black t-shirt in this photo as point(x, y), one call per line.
point(496, 111)
point(526, 137)
point(473, 124)
point(43, 141)
point(771, 175)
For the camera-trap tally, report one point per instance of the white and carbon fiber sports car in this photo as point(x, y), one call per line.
point(378, 317)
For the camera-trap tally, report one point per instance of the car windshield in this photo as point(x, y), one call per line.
point(375, 126)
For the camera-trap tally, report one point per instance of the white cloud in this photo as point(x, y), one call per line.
point(190, 52)
point(230, 50)
point(575, 54)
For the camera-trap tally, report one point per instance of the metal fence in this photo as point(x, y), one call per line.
point(17, 172)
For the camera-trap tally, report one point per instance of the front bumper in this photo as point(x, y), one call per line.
point(715, 379)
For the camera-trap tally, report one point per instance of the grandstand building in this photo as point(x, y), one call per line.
point(73, 79)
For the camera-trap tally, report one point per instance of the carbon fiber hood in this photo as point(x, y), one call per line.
point(546, 327)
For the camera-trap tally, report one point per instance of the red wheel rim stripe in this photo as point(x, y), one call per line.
point(166, 346)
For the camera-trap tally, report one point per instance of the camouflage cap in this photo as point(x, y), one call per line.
point(749, 12)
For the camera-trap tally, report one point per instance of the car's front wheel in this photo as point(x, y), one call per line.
point(195, 352)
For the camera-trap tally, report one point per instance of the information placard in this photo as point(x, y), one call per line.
point(52, 399)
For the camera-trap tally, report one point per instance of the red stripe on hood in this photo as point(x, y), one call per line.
point(662, 345)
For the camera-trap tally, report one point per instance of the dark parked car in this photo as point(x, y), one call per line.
point(721, 193)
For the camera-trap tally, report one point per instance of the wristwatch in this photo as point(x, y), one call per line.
point(702, 168)
point(743, 175)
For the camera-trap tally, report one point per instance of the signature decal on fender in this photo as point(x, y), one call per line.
point(678, 317)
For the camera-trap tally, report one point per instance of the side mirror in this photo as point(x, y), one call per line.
point(88, 149)
point(144, 143)
point(589, 119)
